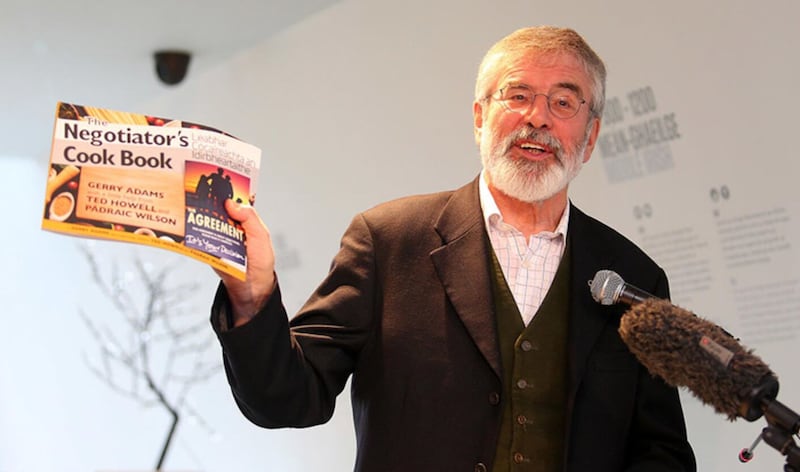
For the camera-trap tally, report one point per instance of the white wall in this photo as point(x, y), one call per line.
point(367, 101)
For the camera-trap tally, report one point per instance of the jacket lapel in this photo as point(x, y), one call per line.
point(462, 266)
point(586, 320)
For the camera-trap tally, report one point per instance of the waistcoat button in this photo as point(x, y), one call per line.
point(494, 398)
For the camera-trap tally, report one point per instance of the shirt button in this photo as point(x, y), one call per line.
point(519, 458)
point(494, 398)
point(480, 467)
point(522, 383)
point(526, 345)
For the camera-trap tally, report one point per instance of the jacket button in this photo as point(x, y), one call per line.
point(494, 398)
point(519, 458)
point(480, 467)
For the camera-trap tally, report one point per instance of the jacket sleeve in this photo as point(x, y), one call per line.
point(288, 373)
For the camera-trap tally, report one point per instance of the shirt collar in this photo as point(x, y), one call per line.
point(491, 213)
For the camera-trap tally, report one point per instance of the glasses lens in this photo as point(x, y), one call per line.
point(564, 104)
point(516, 99)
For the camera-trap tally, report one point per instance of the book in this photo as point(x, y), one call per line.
point(149, 180)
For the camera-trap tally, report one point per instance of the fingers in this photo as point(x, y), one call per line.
point(249, 296)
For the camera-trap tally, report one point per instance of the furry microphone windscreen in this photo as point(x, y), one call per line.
point(688, 351)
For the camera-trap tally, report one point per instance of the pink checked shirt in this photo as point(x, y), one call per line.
point(528, 266)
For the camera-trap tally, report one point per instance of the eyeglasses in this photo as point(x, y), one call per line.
point(563, 104)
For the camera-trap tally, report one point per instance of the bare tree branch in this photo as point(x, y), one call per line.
point(165, 339)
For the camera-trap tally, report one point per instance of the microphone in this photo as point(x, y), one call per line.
point(608, 288)
point(688, 351)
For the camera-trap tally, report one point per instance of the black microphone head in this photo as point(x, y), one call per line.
point(605, 286)
point(688, 351)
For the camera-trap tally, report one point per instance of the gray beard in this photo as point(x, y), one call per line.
point(531, 181)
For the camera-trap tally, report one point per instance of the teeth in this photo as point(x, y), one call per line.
point(532, 146)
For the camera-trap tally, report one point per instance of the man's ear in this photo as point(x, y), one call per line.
point(595, 124)
point(477, 117)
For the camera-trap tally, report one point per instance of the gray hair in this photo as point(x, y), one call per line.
point(544, 40)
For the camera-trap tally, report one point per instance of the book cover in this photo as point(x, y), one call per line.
point(148, 180)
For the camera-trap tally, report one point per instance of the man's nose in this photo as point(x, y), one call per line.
point(539, 114)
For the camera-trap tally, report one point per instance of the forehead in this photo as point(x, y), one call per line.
point(543, 72)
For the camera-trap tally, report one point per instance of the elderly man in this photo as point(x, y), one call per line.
point(464, 316)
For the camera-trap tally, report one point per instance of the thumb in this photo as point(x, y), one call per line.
point(246, 216)
point(249, 295)
point(238, 211)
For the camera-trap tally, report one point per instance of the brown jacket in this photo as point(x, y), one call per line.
point(407, 311)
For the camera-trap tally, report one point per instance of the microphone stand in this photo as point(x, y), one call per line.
point(782, 422)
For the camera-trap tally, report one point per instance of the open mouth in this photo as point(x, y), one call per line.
point(533, 149)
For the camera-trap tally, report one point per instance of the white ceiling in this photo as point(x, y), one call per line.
point(101, 52)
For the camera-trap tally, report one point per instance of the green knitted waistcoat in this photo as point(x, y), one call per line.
point(534, 376)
